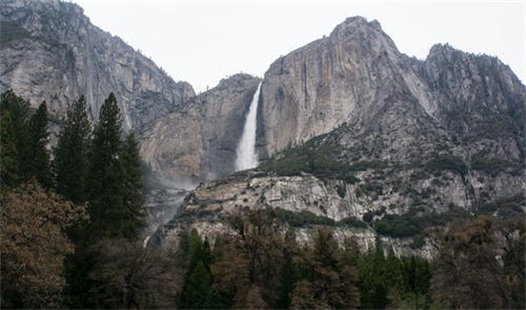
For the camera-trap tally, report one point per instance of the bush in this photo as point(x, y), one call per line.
point(368, 216)
point(317, 158)
point(411, 224)
point(302, 219)
point(447, 162)
point(352, 222)
point(493, 166)
point(506, 207)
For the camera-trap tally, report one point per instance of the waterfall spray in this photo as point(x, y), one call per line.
point(247, 157)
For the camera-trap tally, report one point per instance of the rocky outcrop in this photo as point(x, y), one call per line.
point(336, 79)
point(50, 51)
point(199, 140)
point(357, 76)
point(399, 143)
point(378, 104)
point(303, 202)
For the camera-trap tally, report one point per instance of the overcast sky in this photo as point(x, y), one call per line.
point(202, 42)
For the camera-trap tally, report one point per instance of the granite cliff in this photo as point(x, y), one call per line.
point(198, 141)
point(358, 136)
point(51, 51)
point(351, 133)
point(357, 76)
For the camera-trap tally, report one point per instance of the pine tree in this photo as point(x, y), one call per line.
point(18, 110)
point(8, 153)
point(70, 164)
point(38, 164)
point(132, 182)
point(105, 190)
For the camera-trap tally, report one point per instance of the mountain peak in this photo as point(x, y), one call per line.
point(355, 24)
point(441, 49)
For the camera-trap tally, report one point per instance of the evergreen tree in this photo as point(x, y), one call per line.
point(197, 287)
point(18, 110)
point(105, 190)
point(71, 154)
point(38, 163)
point(373, 283)
point(132, 183)
point(327, 276)
point(8, 153)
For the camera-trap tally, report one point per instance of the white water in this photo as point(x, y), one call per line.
point(247, 157)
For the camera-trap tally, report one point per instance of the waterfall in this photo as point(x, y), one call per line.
point(246, 155)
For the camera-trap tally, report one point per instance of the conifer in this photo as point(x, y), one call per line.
point(70, 164)
point(39, 162)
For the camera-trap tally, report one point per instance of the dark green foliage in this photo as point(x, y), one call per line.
point(327, 279)
point(313, 158)
point(368, 216)
point(132, 182)
point(70, 163)
point(302, 218)
point(352, 222)
point(506, 207)
point(417, 275)
point(197, 286)
point(447, 162)
point(9, 173)
point(18, 111)
point(39, 164)
point(494, 166)
point(373, 284)
point(390, 281)
point(398, 226)
point(29, 134)
point(195, 255)
point(412, 224)
point(105, 190)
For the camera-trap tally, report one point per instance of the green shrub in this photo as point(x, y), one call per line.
point(368, 216)
point(352, 222)
point(493, 166)
point(447, 162)
point(412, 224)
point(302, 218)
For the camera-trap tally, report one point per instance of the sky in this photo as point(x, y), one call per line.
point(202, 42)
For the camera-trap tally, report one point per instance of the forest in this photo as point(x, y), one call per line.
point(73, 219)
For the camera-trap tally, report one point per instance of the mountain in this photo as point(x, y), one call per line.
point(198, 141)
point(358, 76)
point(351, 133)
point(51, 51)
point(355, 135)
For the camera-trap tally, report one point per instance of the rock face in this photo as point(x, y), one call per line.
point(199, 141)
point(358, 133)
point(303, 202)
point(352, 133)
point(50, 51)
point(357, 76)
point(380, 105)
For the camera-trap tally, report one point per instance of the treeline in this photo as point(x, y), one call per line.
point(71, 225)
point(59, 205)
point(258, 264)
